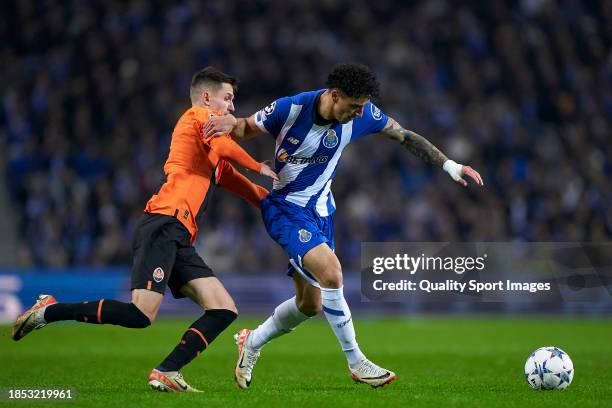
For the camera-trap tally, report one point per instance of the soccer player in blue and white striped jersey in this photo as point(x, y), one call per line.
point(311, 130)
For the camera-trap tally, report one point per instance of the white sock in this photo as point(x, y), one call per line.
point(339, 318)
point(285, 318)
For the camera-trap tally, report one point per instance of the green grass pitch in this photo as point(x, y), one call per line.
point(440, 362)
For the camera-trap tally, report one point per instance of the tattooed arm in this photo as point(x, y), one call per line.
point(414, 142)
point(426, 151)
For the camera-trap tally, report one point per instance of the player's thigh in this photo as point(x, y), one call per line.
point(307, 296)
point(294, 228)
point(324, 265)
point(154, 252)
point(154, 249)
point(147, 301)
point(189, 267)
point(209, 293)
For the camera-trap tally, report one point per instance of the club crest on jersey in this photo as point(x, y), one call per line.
point(158, 274)
point(331, 139)
point(270, 108)
point(282, 155)
point(376, 113)
point(305, 236)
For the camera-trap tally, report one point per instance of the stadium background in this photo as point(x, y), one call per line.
point(521, 91)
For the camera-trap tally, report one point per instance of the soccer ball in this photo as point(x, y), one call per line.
point(549, 368)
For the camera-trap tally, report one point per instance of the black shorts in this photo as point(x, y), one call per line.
point(163, 256)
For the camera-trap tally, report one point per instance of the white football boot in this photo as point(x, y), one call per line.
point(247, 357)
point(33, 318)
point(169, 381)
point(369, 373)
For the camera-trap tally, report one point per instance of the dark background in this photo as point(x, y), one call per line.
point(521, 91)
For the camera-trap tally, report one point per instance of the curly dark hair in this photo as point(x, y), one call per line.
point(354, 79)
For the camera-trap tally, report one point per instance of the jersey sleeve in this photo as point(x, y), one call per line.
point(272, 118)
point(373, 121)
point(229, 150)
point(231, 180)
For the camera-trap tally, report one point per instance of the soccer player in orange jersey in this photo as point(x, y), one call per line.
point(163, 241)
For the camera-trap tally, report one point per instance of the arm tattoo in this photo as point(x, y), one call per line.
point(415, 143)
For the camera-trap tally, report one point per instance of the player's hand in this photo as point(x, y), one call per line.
point(458, 171)
point(219, 125)
point(267, 171)
point(473, 174)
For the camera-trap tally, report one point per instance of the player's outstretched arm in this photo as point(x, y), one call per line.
point(426, 151)
point(231, 180)
point(238, 128)
point(228, 149)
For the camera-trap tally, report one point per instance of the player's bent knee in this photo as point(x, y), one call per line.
point(209, 294)
point(324, 265)
point(221, 302)
point(332, 277)
point(228, 306)
point(147, 303)
point(123, 314)
point(144, 311)
point(138, 319)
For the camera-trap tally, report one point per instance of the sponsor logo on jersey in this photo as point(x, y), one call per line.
point(304, 235)
point(158, 274)
point(293, 140)
point(331, 139)
point(376, 113)
point(306, 160)
point(283, 156)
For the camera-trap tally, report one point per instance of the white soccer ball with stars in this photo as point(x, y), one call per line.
point(549, 368)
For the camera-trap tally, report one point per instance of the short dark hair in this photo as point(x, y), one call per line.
point(211, 75)
point(354, 79)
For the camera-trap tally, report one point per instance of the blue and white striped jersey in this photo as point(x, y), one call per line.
point(308, 150)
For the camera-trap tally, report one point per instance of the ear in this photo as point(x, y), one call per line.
point(335, 95)
point(205, 96)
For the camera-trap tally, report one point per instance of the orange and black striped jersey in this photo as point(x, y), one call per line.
point(196, 165)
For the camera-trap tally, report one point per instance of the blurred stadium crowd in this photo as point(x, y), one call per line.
point(521, 91)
